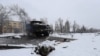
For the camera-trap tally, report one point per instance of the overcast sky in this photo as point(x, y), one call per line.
point(84, 12)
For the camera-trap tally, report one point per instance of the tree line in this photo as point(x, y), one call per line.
point(66, 27)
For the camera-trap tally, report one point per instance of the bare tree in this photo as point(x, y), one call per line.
point(83, 29)
point(21, 13)
point(60, 21)
point(74, 27)
point(59, 26)
point(44, 20)
point(67, 26)
point(56, 27)
point(4, 16)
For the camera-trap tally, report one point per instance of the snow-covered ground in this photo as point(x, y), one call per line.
point(17, 35)
point(63, 35)
point(85, 45)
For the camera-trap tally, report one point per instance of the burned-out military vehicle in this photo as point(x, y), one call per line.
point(38, 29)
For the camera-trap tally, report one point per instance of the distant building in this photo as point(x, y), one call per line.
point(12, 27)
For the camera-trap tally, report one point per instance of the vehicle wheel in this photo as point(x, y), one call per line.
point(31, 35)
point(46, 34)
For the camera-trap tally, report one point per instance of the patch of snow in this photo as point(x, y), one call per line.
point(48, 43)
point(17, 36)
point(22, 45)
point(59, 35)
point(11, 34)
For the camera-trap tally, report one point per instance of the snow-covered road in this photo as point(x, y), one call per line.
point(85, 45)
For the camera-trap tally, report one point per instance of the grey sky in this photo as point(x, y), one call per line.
point(84, 12)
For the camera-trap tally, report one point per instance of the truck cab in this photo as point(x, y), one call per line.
point(38, 29)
